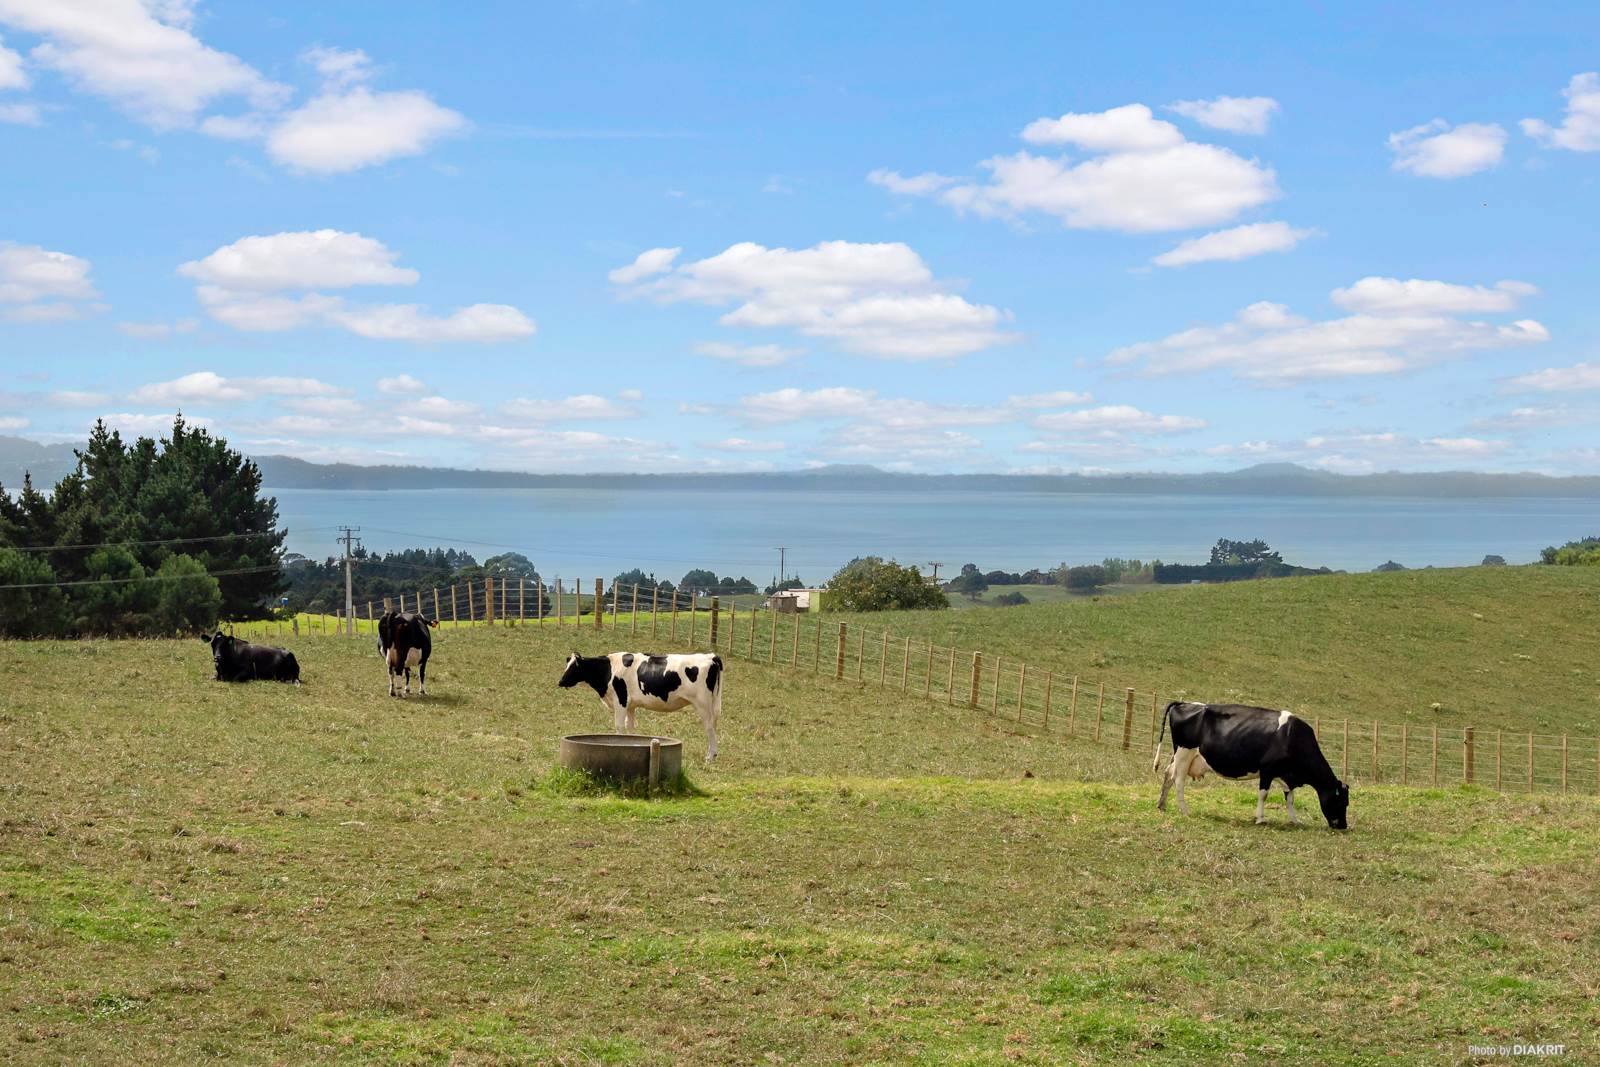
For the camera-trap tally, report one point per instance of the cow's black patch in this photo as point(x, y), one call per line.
point(593, 671)
point(627, 659)
point(656, 680)
point(713, 673)
point(691, 673)
point(621, 686)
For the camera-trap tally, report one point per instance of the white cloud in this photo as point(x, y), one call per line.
point(1391, 296)
point(1147, 177)
point(1236, 114)
point(345, 130)
point(570, 409)
point(923, 184)
point(151, 331)
point(1556, 379)
point(144, 423)
point(645, 265)
point(73, 398)
point(1580, 127)
point(1241, 242)
point(21, 114)
point(1130, 128)
point(140, 57)
point(876, 299)
point(13, 422)
point(793, 405)
point(1409, 325)
point(897, 447)
point(210, 387)
point(742, 444)
point(1118, 419)
point(246, 285)
point(438, 407)
point(316, 259)
point(401, 383)
point(12, 76)
point(340, 66)
point(1365, 451)
point(38, 285)
point(749, 355)
point(1435, 150)
point(872, 421)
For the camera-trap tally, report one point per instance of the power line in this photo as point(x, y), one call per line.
point(146, 578)
point(159, 541)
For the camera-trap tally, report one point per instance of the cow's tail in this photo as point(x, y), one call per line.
point(1155, 764)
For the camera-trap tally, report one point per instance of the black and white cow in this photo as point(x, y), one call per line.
point(629, 681)
point(240, 661)
point(404, 642)
point(1238, 741)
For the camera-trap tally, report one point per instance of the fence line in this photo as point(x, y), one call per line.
point(990, 687)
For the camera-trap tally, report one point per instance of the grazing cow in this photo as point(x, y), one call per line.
point(404, 642)
point(1237, 741)
point(240, 661)
point(628, 681)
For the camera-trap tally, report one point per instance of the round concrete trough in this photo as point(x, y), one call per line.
point(622, 756)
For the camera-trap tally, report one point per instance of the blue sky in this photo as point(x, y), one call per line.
point(612, 236)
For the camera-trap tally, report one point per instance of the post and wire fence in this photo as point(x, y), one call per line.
point(994, 687)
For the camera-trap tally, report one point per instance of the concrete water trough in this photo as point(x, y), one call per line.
point(624, 756)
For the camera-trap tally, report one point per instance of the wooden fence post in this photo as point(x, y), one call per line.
point(994, 694)
point(386, 605)
point(672, 620)
point(1127, 722)
point(1099, 710)
point(883, 660)
point(522, 600)
point(693, 617)
point(755, 613)
point(977, 674)
point(794, 642)
point(905, 663)
point(1466, 755)
point(558, 600)
point(600, 603)
point(927, 675)
point(538, 600)
point(1072, 715)
point(716, 611)
point(950, 680)
point(772, 640)
point(454, 615)
point(436, 603)
point(634, 611)
point(655, 601)
point(838, 658)
point(1048, 679)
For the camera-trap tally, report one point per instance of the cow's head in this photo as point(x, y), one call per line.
point(573, 674)
point(386, 629)
point(1335, 803)
point(218, 641)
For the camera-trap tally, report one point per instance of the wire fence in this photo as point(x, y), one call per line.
point(1052, 702)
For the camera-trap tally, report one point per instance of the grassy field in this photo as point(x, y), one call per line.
point(190, 870)
point(1050, 594)
point(1511, 647)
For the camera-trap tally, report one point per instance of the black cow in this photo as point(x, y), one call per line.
point(240, 661)
point(404, 642)
point(1237, 741)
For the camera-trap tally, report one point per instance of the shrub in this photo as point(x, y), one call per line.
point(1010, 600)
point(188, 599)
point(871, 583)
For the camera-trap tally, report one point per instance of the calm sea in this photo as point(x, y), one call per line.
point(586, 533)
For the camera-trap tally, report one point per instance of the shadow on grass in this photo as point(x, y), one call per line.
point(562, 782)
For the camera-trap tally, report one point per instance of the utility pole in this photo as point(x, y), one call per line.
point(936, 564)
point(346, 537)
point(782, 570)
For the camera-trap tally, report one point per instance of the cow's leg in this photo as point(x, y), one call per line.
point(619, 716)
point(1166, 782)
point(422, 677)
point(1180, 773)
point(708, 718)
point(408, 679)
point(388, 668)
point(633, 719)
point(1261, 799)
point(1288, 799)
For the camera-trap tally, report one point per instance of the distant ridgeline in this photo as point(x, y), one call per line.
point(1183, 573)
point(1269, 479)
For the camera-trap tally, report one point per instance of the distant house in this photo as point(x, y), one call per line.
point(796, 601)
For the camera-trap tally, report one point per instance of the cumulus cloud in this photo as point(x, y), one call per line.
point(569, 409)
point(645, 265)
point(1436, 150)
point(1391, 296)
point(317, 259)
point(13, 422)
point(876, 299)
point(1241, 242)
point(1580, 127)
point(144, 423)
point(1397, 326)
point(1556, 379)
point(38, 285)
point(401, 383)
point(139, 57)
point(210, 387)
point(348, 127)
point(749, 355)
point(12, 76)
point(1118, 419)
point(256, 283)
point(1143, 176)
point(1235, 114)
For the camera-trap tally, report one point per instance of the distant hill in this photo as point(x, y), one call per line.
point(47, 463)
point(1267, 479)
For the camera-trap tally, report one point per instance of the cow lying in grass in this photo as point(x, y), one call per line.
point(628, 681)
point(240, 661)
point(1238, 741)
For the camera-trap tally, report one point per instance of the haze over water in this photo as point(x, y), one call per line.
point(586, 533)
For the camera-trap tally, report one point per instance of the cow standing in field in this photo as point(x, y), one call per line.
point(628, 681)
point(1237, 741)
point(240, 661)
point(404, 642)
